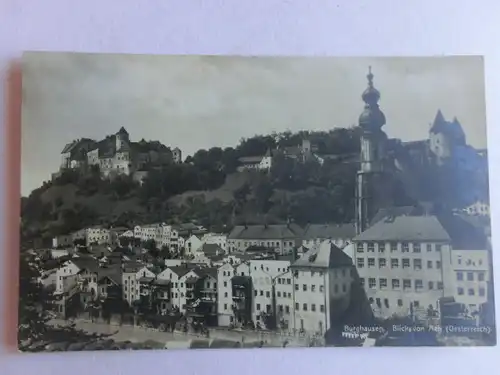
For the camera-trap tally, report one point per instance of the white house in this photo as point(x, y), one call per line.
point(215, 239)
point(225, 295)
point(131, 274)
point(192, 245)
point(339, 234)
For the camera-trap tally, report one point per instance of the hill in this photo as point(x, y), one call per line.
point(206, 188)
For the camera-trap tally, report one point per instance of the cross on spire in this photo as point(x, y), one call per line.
point(370, 76)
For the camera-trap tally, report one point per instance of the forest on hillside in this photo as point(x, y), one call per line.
point(300, 192)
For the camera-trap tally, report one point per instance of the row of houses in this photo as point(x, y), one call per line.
point(403, 262)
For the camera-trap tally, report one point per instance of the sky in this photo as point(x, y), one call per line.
point(194, 102)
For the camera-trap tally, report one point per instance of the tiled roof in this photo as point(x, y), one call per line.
point(326, 231)
point(405, 228)
point(324, 255)
point(264, 232)
point(207, 271)
point(113, 273)
point(394, 211)
point(464, 234)
point(132, 266)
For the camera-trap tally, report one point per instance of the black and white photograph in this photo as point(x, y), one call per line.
point(190, 202)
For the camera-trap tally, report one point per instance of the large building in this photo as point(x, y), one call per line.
point(116, 154)
point(281, 238)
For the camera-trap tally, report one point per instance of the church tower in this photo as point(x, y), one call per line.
point(371, 192)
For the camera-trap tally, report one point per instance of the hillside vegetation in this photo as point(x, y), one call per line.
point(207, 189)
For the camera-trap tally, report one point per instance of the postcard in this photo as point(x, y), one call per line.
point(174, 202)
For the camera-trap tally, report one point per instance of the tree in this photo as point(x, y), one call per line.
point(35, 306)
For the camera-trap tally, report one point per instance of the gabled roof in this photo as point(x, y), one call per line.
point(182, 270)
point(327, 231)
point(405, 228)
point(112, 273)
point(323, 255)
point(394, 211)
point(86, 263)
point(265, 232)
point(207, 271)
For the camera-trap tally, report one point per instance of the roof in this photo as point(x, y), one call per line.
point(394, 211)
point(182, 270)
point(122, 131)
point(451, 128)
point(324, 255)
point(161, 282)
point(86, 263)
point(146, 279)
point(464, 234)
point(211, 249)
point(113, 273)
point(207, 271)
point(264, 232)
point(405, 228)
point(132, 266)
point(250, 159)
point(327, 231)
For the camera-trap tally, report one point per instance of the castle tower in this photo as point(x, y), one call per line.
point(371, 183)
point(121, 138)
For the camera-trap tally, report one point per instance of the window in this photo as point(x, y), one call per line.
point(460, 291)
point(394, 246)
point(416, 248)
point(400, 302)
point(438, 247)
point(383, 283)
point(258, 307)
point(371, 247)
point(382, 262)
point(268, 294)
point(321, 288)
point(304, 307)
point(225, 294)
point(288, 281)
point(480, 276)
point(381, 247)
point(360, 262)
point(261, 292)
point(440, 285)
point(296, 286)
point(417, 264)
point(386, 303)
point(256, 292)
point(406, 247)
point(406, 284)
point(225, 306)
point(416, 303)
point(460, 276)
point(372, 282)
point(406, 263)
point(429, 264)
point(371, 262)
point(304, 287)
point(287, 309)
point(297, 306)
point(482, 292)
point(395, 284)
point(394, 263)
point(470, 276)
point(379, 304)
point(280, 308)
point(419, 285)
point(322, 308)
point(431, 285)
point(438, 264)
point(313, 307)
point(471, 292)
point(360, 247)
point(225, 283)
point(313, 288)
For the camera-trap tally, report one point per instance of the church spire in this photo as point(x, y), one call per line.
point(372, 117)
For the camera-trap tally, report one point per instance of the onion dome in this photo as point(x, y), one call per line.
point(372, 118)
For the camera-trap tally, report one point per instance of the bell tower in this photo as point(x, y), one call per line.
point(371, 194)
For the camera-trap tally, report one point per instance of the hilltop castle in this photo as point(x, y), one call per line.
point(117, 155)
